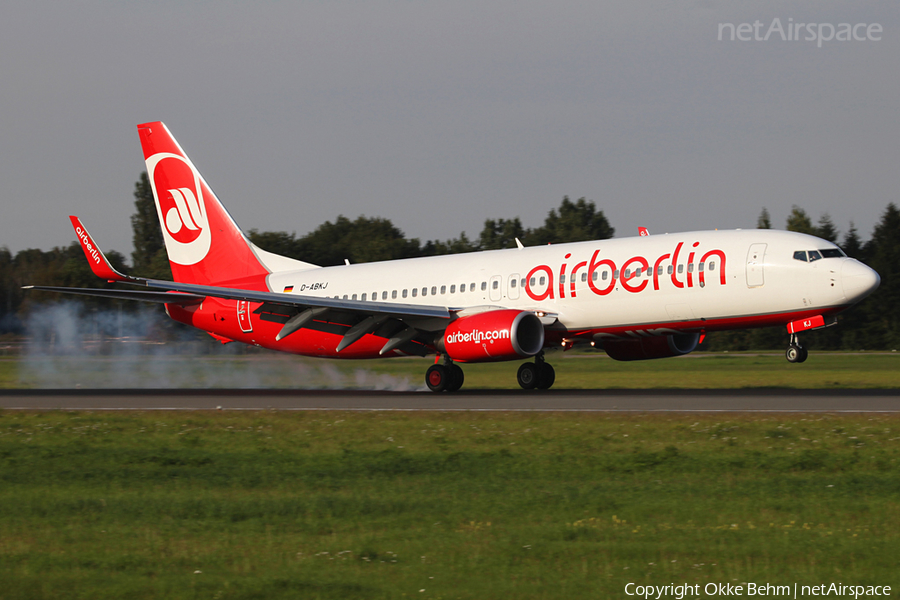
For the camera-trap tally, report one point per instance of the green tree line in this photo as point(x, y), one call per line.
point(873, 324)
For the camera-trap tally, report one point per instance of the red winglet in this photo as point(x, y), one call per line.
point(99, 265)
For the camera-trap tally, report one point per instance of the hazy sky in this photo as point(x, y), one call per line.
point(440, 115)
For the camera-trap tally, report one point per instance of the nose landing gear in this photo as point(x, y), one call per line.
point(795, 352)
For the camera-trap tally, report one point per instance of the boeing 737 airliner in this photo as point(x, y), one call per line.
point(651, 296)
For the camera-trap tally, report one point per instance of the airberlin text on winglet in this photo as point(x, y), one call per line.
point(638, 263)
point(88, 246)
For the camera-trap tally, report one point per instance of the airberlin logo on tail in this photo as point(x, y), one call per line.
point(181, 207)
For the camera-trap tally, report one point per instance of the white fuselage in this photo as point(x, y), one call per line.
point(634, 282)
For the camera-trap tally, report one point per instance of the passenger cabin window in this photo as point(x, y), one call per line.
point(364, 297)
point(495, 285)
point(453, 289)
point(443, 289)
point(800, 255)
point(433, 290)
point(425, 291)
point(483, 285)
point(404, 293)
point(415, 292)
point(471, 287)
point(512, 283)
point(712, 265)
point(394, 295)
point(353, 297)
point(384, 295)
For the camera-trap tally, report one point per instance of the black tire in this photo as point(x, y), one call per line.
point(457, 377)
point(804, 354)
point(527, 376)
point(793, 354)
point(437, 378)
point(546, 376)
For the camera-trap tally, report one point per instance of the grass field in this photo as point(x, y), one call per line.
point(440, 505)
point(574, 371)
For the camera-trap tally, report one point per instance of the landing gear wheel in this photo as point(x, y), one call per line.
point(527, 376)
point(437, 378)
point(457, 377)
point(546, 376)
point(796, 354)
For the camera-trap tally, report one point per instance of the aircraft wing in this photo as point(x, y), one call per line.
point(294, 311)
point(163, 297)
point(291, 300)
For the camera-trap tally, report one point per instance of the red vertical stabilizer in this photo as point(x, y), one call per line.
point(204, 244)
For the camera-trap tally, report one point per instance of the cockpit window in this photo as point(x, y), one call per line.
point(814, 255)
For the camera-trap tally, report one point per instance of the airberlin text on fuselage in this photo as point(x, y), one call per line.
point(86, 242)
point(637, 268)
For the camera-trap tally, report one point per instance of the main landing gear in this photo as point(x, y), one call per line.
point(448, 377)
point(795, 352)
point(538, 374)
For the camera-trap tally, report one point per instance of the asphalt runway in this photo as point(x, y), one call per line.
point(780, 400)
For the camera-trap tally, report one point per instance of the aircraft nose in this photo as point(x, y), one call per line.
point(858, 280)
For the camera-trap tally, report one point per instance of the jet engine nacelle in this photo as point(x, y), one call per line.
point(660, 346)
point(493, 336)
